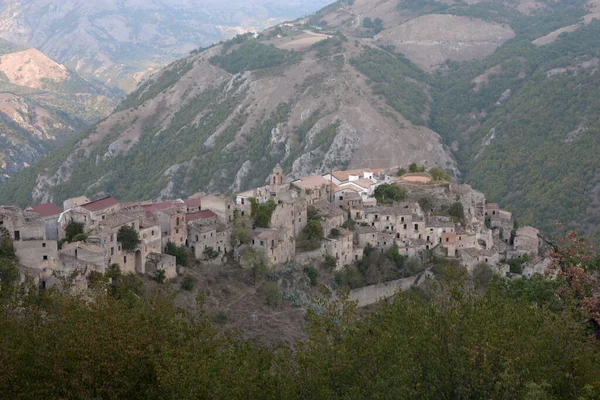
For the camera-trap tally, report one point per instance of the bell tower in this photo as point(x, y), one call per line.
point(277, 177)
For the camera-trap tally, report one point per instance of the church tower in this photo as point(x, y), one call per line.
point(277, 177)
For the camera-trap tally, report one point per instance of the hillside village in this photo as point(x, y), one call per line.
point(273, 224)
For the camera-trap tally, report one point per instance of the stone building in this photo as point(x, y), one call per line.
point(172, 219)
point(331, 216)
point(277, 245)
point(28, 231)
point(290, 215)
point(435, 228)
point(277, 178)
point(49, 213)
point(74, 202)
point(471, 257)
point(341, 248)
point(527, 241)
point(205, 235)
point(365, 236)
point(314, 188)
point(90, 214)
point(221, 205)
point(347, 198)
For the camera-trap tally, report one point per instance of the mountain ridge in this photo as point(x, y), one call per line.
point(341, 95)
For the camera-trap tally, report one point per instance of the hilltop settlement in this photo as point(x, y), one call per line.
point(335, 217)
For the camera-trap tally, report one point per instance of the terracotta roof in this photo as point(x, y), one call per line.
point(311, 182)
point(101, 204)
point(345, 175)
point(46, 210)
point(205, 214)
point(193, 202)
point(154, 207)
point(363, 182)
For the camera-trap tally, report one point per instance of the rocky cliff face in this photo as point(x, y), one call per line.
point(42, 104)
point(119, 41)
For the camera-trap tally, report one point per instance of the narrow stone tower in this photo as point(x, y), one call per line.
point(277, 177)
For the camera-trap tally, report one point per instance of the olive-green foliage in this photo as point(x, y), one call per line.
point(482, 275)
point(439, 174)
point(311, 237)
point(516, 264)
point(128, 237)
point(254, 55)
point(180, 253)
point(261, 213)
point(389, 194)
point(388, 73)
point(329, 263)
point(187, 283)
point(425, 203)
point(221, 317)
point(273, 294)
point(544, 142)
point(211, 253)
point(157, 84)
point(9, 272)
point(313, 275)
point(127, 288)
point(515, 341)
point(80, 237)
point(160, 276)
point(376, 267)
point(413, 167)
point(456, 211)
point(330, 46)
point(400, 172)
point(73, 229)
point(350, 277)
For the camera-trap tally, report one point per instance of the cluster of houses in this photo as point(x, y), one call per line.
point(207, 225)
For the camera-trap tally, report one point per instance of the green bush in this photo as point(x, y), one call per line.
point(329, 263)
point(220, 317)
point(188, 283)
point(180, 253)
point(261, 213)
point(313, 275)
point(273, 294)
point(211, 253)
point(389, 194)
point(128, 237)
point(73, 229)
point(80, 237)
point(456, 211)
point(516, 264)
point(350, 277)
point(9, 273)
point(160, 276)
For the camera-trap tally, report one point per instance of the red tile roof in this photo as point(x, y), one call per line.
point(205, 214)
point(154, 207)
point(193, 202)
point(101, 204)
point(46, 210)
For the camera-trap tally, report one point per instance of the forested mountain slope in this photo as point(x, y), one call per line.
point(509, 86)
point(523, 124)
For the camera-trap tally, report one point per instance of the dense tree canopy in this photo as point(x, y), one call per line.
point(128, 237)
